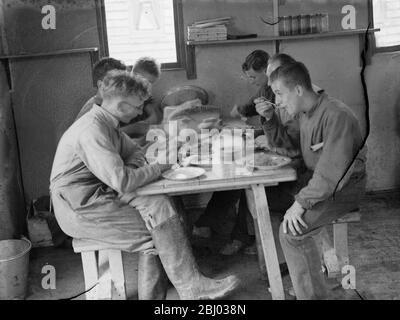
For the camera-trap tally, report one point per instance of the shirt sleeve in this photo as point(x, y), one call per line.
point(102, 158)
point(341, 144)
point(132, 153)
point(248, 109)
point(283, 135)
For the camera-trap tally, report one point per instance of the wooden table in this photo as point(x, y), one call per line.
point(254, 183)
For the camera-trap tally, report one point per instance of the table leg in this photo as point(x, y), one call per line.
point(258, 206)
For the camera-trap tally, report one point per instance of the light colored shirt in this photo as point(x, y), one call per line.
point(94, 154)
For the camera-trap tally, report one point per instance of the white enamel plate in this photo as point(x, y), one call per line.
point(267, 161)
point(185, 173)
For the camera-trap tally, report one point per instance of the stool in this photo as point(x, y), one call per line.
point(337, 256)
point(101, 282)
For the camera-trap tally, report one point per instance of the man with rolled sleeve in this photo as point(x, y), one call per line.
point(95, 173)
point(332, 149)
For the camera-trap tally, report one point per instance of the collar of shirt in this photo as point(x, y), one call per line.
point(322, 96)
point(107, 116)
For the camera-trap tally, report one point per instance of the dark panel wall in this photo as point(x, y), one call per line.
point(47, 92)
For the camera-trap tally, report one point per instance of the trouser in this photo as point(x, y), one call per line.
point(301, 252)
point(113, 222)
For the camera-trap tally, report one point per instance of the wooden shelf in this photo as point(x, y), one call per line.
point(191, 45)
point(283, 38)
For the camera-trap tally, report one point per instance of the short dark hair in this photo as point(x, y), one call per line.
point(149, 65)
point(101, 67)
point(293, 74)
point(123, 83)
point(257, 60)
point(282, 58)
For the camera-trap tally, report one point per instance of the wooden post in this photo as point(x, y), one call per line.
point(90, 273)
point(117, 273)
point(258, 203)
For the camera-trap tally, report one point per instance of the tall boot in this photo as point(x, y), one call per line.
point(176, 255)
point(152, 279)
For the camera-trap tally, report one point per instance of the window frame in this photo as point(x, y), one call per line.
point(179, 35)
point(377, 49)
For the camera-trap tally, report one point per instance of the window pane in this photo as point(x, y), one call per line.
point(387, 18)
point(137, 28)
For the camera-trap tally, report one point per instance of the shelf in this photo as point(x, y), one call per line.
point(191, 45)
point(283, 38)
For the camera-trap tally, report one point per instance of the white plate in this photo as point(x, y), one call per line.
point(274, 162)
point(182, 174)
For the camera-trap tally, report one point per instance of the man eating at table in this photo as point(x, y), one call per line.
point(97, 169)
point(332, 149)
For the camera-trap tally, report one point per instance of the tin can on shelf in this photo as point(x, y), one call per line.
point(285, 26)
point(305, 23)
point(295, 25)
point(324, 23)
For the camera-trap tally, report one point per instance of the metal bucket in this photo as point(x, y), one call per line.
point(14, 268)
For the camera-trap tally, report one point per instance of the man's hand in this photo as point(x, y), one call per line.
point(264, 108)
point(293, 219)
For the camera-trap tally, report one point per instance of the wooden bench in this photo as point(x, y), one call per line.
point(102, 269)
point(336, 255)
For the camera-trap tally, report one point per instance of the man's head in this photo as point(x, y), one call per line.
point(148, 68)
point(292, 85)
point(255, 66)
point(124, 94)
point(276, 61)
point(103, 66)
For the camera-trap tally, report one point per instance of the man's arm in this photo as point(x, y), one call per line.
point(104, 161)
point(342, 140)
point(282, 133)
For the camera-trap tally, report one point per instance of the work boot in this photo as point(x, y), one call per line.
point(152, 279)
point(176, 255)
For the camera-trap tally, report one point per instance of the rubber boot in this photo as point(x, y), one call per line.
point(152, 279)
point(176, 255)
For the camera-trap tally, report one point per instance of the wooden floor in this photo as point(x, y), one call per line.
point(374, 247)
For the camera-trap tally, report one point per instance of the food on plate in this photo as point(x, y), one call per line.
point(268, 161)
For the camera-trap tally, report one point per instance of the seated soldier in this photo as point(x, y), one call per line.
point(332, 149)
point(95, 172)
point(100, 70)
point(221, 214)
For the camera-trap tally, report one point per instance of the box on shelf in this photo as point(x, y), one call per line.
point(207, 34)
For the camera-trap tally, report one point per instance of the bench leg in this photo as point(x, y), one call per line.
point(328, 253)
point(90, 273)
point(117, 274)
point(105, 286)
point(341, 243)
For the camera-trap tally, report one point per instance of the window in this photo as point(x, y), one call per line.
point(386, 14)
point(137, 28)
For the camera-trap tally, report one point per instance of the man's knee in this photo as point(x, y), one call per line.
point(154, 210)
point(289, 238)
